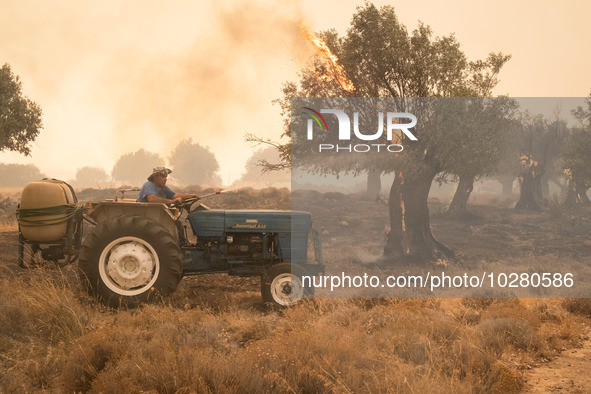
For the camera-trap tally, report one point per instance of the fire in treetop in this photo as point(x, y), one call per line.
point(324, 50)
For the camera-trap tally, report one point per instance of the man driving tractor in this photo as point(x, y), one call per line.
point(155, 189)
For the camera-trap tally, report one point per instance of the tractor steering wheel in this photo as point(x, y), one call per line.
point(186, 204)
point(191, 200)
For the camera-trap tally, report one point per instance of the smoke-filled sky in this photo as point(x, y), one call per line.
point(116, 76)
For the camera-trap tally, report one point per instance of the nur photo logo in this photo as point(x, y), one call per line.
point(397, 127)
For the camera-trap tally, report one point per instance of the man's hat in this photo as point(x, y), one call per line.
point(159, 171)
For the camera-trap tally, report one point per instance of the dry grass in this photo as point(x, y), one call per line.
point(8, 224)
point(52, 338)
point(8, 202)
point(581, 306)
point(40, 319)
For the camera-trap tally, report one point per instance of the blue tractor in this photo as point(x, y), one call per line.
point(134, 252)
point(137, 251)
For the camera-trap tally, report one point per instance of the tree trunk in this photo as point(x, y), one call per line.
point(561, 183)
point(544, 187)
point(410, 236)
point(374, 184)
point(457, 208)
point(531, 188)
point(506, 182)
point(577, 193)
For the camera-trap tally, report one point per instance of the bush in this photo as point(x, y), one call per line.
point(579, 306)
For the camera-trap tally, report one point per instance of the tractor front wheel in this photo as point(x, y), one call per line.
point(281, 284)
point(129, 260)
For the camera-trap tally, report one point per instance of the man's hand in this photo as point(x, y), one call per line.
point(177, 200)
point(186, 196)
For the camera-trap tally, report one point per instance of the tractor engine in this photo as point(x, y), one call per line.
point(235, 238)
point(238, 244)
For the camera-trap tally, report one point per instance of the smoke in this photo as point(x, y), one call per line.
point(114, 77)
point(223, 70)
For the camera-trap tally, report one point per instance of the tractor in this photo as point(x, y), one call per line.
point(134, 252)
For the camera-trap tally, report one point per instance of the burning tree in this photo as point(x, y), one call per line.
point(577, 160)
point(532, 161)
point(530, 182)
point(577, 167)
point(381, 59)
point(540, 158)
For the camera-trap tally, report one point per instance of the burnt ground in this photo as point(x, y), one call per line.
point(497, 233)
point(496, 236)
point(492, 233)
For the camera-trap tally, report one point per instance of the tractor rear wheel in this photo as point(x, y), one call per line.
point(129, 260)
point(282, 284)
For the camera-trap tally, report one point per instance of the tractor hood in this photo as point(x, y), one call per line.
point(215, 223)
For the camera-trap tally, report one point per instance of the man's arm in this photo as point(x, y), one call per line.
point(157, 199)
point(177, 198)
point(184, 196)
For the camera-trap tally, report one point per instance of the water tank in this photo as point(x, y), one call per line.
point(49, 194)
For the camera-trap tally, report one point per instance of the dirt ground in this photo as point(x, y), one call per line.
point(568, 373)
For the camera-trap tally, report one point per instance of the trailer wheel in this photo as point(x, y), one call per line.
point(282, 286)
point(129, 260)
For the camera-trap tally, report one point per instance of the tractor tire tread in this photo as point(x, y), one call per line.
point(160, 239)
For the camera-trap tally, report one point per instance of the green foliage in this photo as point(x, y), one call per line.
point(382, 59)
point(135, 167)
point(20, 117)
point(18, 175)
point(475, 140)
point(193, 164)
point(543, 139)
point(91, 177)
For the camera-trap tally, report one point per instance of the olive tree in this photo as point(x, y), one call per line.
point(20, 117)
point(18, 175)
point(135, 167)
point(91, 177)
point(194, 164)
point(382, 59)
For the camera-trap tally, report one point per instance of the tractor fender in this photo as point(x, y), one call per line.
point(160, 213)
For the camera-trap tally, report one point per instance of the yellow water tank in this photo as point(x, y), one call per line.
point(47, 193)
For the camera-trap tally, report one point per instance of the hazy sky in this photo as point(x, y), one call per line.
point(116, 76)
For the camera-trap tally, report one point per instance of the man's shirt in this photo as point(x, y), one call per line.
point(150, 188)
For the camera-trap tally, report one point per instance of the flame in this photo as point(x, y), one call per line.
point(324, 50)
